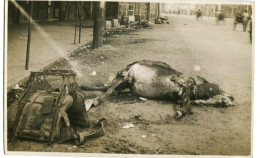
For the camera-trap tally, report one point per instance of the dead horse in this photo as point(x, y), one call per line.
point(154, 80)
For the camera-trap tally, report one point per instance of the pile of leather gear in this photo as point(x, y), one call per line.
point(162, 20)
point(52, 109)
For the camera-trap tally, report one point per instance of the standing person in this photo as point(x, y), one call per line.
point(250, 31)
point(245, 20)
point(198, 14)
point(220, 16)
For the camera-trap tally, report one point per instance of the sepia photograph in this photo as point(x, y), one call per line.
point(129, 78)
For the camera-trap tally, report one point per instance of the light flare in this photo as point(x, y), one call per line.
point(51, 42)
point(196, 68)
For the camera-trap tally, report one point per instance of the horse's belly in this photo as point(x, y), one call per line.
point(150, 82)
point(151, 90)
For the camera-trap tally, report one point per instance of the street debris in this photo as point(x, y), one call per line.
point(159, 150)
point(138, 117)
point(88, 103)
point(162, 20)
point(144, 23)
point(143, 136)
point(17, 87)
point(127, 27)
point(23, 38)
point(128, 125)
point(93, 73)
point(73, 147)
point(142, 98)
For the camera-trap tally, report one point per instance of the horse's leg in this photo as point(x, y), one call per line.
point(185, 104)
point(116, 86)
point(115, 83)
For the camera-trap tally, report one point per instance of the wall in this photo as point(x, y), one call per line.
point(154, 10)
point(112, 10)
point(49, 10)
point(140, 11)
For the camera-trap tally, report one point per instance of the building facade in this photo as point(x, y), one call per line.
point(68, 10)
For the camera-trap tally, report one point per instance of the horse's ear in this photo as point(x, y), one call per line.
point(201, 79)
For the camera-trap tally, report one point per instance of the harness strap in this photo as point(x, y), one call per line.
point(194, 92)
point(81, 137)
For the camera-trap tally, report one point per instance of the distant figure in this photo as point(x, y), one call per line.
point(245, 20)
point(250, 31)
point(220, 16)
point(238, 19)
point(198, 14)
point(242, 19)
point(179, 12)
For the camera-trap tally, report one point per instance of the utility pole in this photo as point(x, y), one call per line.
point(232, 11)
point(140, 11)
point(159, 10)
point(99, 23)
point(80, 14)
point(76, 22)
point(148, 11)
point(29, 37)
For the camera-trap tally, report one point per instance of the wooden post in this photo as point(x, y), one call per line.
point(29, 37)
point(99, 23)
point(140, 11)
point(69, 4)
point(80, 12)
point(232, 11)
point(76, 23)
point(158, 10)
point(148, 11)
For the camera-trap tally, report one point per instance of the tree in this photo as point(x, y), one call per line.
point(99, 24)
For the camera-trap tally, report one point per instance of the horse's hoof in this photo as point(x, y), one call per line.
point(178, 115)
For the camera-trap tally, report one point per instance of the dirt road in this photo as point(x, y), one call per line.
point(220, 54)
